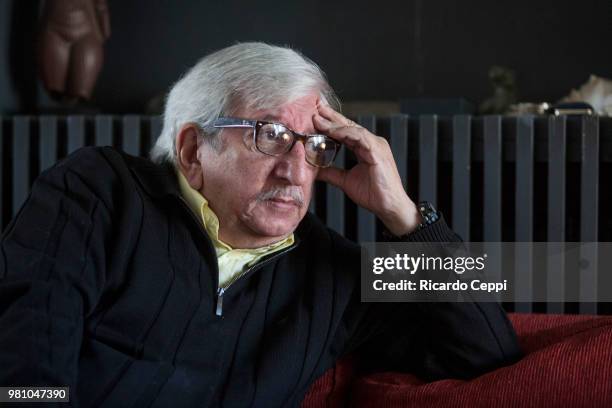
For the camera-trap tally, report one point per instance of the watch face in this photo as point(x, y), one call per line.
point(428, 212)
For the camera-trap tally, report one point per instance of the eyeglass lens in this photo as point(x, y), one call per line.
point(275, 139)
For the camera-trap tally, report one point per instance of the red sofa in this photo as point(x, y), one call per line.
point(567, 363)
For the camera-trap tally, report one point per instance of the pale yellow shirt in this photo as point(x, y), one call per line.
point(232, 262)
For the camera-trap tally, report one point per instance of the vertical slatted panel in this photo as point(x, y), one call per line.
point(557, 154)
point(334, 202)
point(48, 142)
point(104, 130)
point(399, 145)
point(76, 133)
point(492, 178)
point(428, 158)
point(589, 196)
point(21, 161)
point(524, 212)
point(492, 193)
point(462, 145)
point(312, 206)
point(366, 222)
point(155, 128)
point(130, 136)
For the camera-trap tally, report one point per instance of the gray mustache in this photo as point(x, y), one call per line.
point(294, 192)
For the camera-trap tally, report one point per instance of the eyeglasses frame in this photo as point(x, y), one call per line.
point(237, 123)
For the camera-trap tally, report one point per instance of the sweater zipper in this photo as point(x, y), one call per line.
point(221, 291)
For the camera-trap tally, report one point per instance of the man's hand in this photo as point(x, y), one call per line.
point(374, 183)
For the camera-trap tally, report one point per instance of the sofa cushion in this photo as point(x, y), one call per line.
point(568, 362)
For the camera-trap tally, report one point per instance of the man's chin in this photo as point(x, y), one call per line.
point(274, 220)
point(274, 229)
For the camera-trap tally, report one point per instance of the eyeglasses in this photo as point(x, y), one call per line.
point(275, 139)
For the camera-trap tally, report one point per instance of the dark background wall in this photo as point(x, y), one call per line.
point(382, 50)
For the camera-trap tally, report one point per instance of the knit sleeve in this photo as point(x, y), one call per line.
point(435, 339)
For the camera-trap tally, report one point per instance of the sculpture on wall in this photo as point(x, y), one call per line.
point(70, 46)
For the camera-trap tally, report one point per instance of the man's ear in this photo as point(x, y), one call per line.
point(188, 141)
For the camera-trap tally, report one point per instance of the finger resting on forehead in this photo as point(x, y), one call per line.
point(324, 124)
point(327, 112)
point(348, 134)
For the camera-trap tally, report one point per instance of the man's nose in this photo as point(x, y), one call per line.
point(292, 165)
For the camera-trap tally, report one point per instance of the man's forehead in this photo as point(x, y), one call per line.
point(297, 114)
point(272, 117)
point(291, 109)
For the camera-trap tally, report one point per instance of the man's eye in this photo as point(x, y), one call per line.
point(271, 135)
point(280, 137)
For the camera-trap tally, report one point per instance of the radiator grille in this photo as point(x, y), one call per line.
point(495, 178)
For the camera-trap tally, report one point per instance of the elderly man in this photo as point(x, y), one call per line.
point(199, 278)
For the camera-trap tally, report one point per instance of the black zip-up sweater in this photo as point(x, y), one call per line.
point(108, 285)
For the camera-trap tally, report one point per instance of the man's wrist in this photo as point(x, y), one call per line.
point(426, 215)
point(404, 222)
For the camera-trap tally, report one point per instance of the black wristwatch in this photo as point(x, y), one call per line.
point(428, 213)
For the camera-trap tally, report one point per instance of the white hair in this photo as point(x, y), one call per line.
point(250, 75)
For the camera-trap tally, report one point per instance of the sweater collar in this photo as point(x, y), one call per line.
point(158, 180)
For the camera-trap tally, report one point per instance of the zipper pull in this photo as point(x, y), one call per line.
point(220, 292)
